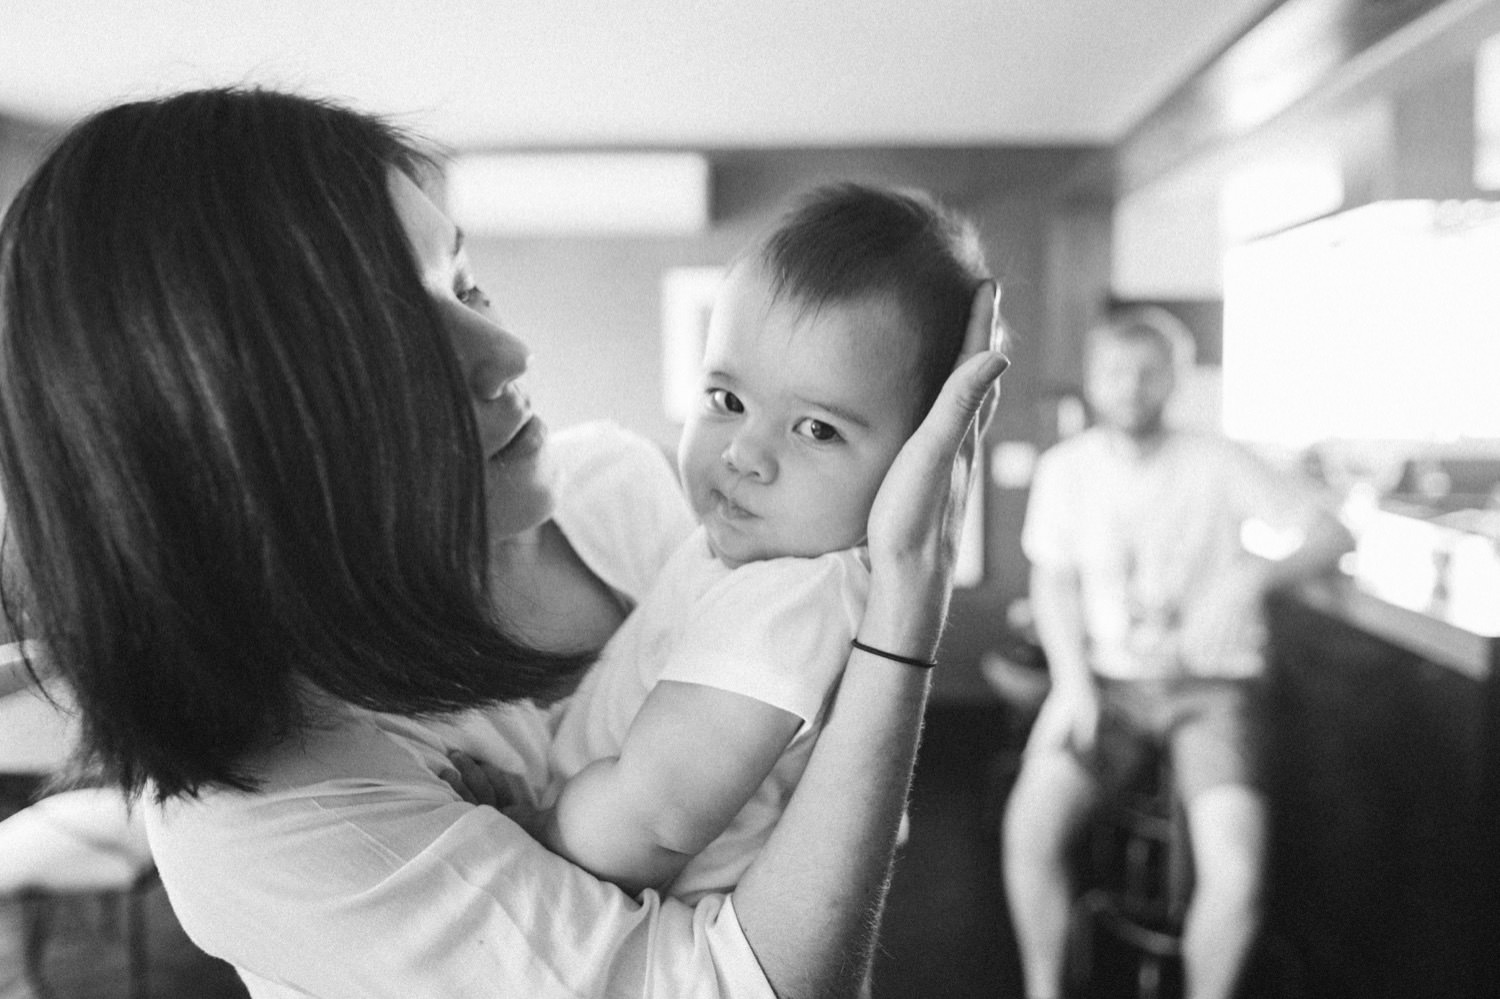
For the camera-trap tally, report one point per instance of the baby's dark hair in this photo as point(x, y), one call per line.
point(847, 242)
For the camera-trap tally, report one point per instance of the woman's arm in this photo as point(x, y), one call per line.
point(692, 758)
point(810, 903)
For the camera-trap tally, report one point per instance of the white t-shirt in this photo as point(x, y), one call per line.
point(777, 631)
point(357, 872)
point(1147, 533)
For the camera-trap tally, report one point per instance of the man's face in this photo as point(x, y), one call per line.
point(1129, 382)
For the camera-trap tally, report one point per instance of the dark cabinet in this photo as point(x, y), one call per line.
point(1382, 779)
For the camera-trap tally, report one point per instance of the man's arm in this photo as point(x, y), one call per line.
point(1070, 714)
point(1325, 541)
point(1217, 623)
point(1057, 607)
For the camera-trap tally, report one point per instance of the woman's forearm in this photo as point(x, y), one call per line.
point(811, 902)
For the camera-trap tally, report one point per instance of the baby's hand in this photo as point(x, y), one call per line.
point(477, 782)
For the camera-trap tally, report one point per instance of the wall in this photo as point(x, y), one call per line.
point(590, 307)
point(21, 147)
point(591, 310)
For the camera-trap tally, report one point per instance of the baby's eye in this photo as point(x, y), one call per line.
point(724, 401)
point(819, 431)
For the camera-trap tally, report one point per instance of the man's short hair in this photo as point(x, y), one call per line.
point(1141, 323)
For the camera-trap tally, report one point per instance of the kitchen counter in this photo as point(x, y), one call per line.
point(1383, 788)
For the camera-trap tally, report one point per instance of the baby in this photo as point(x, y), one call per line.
point(827, 345)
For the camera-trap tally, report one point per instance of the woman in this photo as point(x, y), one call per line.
point(277, 494)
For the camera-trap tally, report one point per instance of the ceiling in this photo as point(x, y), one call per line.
point(568, 73)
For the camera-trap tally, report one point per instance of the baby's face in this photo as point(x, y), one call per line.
point(799, 418)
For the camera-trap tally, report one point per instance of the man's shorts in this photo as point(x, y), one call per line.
point(1214, 728)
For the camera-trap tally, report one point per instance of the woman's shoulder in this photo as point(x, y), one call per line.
point(353, 839)
point(619, 504)
point(337, 811)
point(332, 771)
point(586, 451)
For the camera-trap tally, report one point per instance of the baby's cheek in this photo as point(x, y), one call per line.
point(694, 484)
point(848, 520)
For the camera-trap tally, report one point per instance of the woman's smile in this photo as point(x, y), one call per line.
point(525, 442)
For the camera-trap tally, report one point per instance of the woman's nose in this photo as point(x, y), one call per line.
point(493, 358)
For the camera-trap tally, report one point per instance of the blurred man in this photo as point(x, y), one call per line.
point(1149, 610)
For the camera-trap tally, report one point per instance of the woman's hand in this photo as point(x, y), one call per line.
point(918, 514)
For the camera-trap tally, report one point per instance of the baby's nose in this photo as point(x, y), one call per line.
point(750, 457)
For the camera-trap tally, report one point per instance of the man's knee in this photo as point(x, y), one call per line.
point(1049, 804)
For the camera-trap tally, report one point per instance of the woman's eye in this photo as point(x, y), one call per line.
point(473, 296)
point(819, 431)
point(724, 401)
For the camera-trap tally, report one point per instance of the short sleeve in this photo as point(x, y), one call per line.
point(1045, 538)
point(619, 503)
point(777, 631)
point(375, 881)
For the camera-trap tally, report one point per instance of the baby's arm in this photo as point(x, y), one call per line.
point(693, 757)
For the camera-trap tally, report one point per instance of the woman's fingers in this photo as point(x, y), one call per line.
point(920, 504)
point(984, 329)
point(985, 332)
point(961, 399)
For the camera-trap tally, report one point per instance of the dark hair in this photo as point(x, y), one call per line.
point(846, 242)
point(235, 443)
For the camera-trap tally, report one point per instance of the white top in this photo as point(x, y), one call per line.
point(777, 631)
point(357, 872)
point(1146, 533)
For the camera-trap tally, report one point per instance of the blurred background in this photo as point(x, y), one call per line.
point(1306, 183)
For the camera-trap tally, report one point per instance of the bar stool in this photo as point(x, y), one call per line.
point(1128, 924)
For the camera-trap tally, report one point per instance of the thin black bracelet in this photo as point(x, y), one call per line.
point(908, 660)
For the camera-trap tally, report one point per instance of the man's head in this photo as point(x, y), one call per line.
point(1132, 363)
